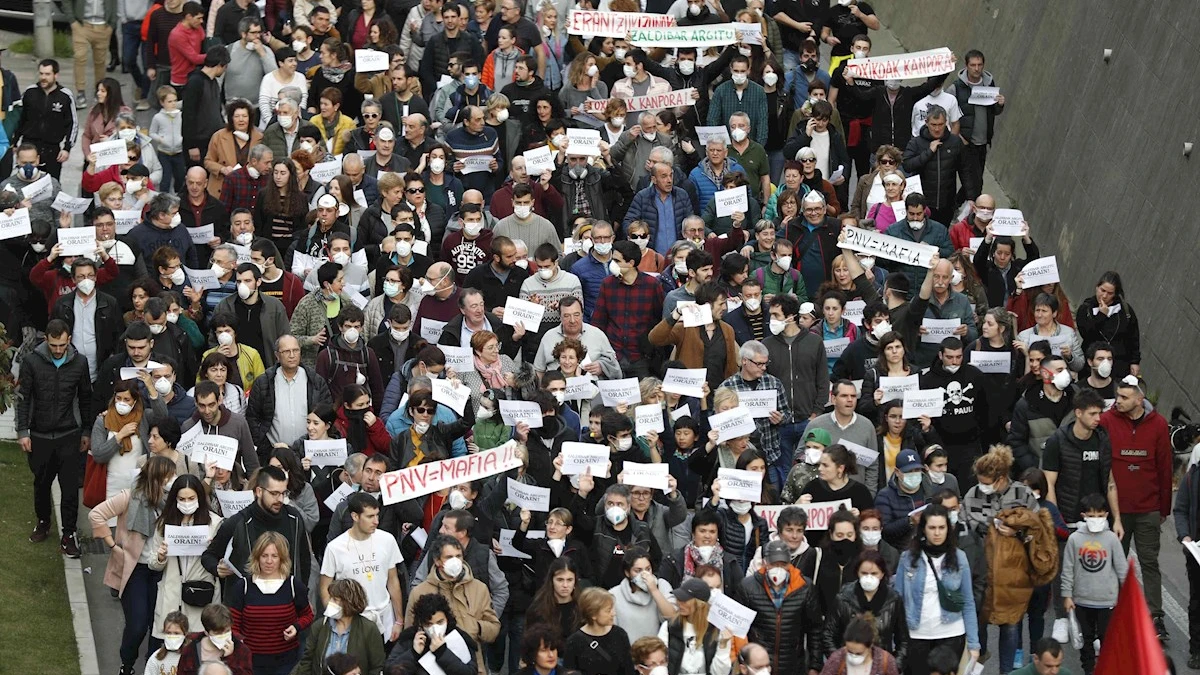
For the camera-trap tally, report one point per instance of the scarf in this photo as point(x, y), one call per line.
point(493, 375)
point(140, 517)
point(691, 558)
point(114, 423)
point(335, 73)
point(874, 605)
point(356, 429)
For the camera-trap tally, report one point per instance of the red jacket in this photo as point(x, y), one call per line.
point(378, 439)
point(241, 661)
point(961, 233)
point(92, 182)
point(54, 281)
point(1141, 461)
point(184, 46)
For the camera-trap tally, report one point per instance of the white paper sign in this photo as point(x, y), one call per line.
point(529, 497)
point(325, 171)
point(529, 314)
point(937, 330)
point(452, 397)
point(538, 160)
point(507, 550)
point(835, 347)
point(477, 163)
point(370, 61)
point(649, 418)
point(975, 243)
point(339, 495)
point(326, 453)
point(431, 330)
point(738, 484)
point(705, 134)
point(201, 235)
point(1040, 272)
point(135, 372)
point(760, 403)
point(109, 153)
point(187, 438)
point(39, 190)
point(360, 198)
point(616, 392)
point(733, 423)
point(927, 402)
point(983, 95)
point(749, 33)
point(853, 312)
point(220, 450)
point(16, 225)
point(653, 476)
point(913, 184)
point(65, 203)
point(127, 219)
point(580, 388)
point(890, 248)
point(515, 412)
point(579, 457)
point(865, 455)
point(232, 501)
point(694, 315)
point(77, 240)
point(894, 387)
point(1007, 223)
point(725, 613)
point(460, 359)
point(685, 381)
point(584, 142)
point(731, 201)
point(991, 362)
point(185, 540)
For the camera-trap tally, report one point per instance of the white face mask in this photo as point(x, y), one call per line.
point(744, 51)
point(218, 271)
point(813, 455)
point(351, 335)
point(659, 670)
point(245, 291)
point(341, 257)
point(522, 211)
point(869, 583)
point(133, 186)
point(299, 46)
point(172, 317)
point(252, 172)
point(912, 481)
point(858, 659)
point(400, 335)
point(916, 224)
point(681, 268)
point(1095, 525)
point(221, 640)
point(601, 248)
point(453, 567)
point(435, 630)
point(437, 165)
point(614, 269)
point(871, 538)
point(860, 54)
point(770, 79)
point(176, 220)
point(740, 507)
point(1062, 380)
point(956, 278)
point(472, 228)
point(950, 369)
point(650, 136)
point(938, 477)
point(882, 328)
point(784, 262)
point(457, 499)
point(619, 53)
point(892, 85)
point(162, 385)
point(556, 545)
point(687, 67)
point(546, 273)
point(86, 286)
point(157, 328)
point(753, 304)
point(738, 135)
point(777, 326)
point(127, 134)
point(615, 515)
point(38, 247)
point(224, 339)
point(986, 489)
point(307, 147)
point(189, 507)
point(705, 552)
point(777, 575)
point(642, 242)
point(502, 115)
point(984, 215)
point(1104, 368)
point(739, 78)
point(285, 121)
point(241, 135)
point(617, 121)
point(694, 10)
point(333, 610)
point(391, 288)
point(403, 248)
point(173, 642)
point(629, 70)
point(624, 444)
point(245, 238)
point(123, 408)
point(421, 428)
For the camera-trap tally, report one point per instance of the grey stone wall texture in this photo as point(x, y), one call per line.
point(1092, 152)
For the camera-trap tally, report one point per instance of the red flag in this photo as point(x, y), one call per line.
point(1131, 644)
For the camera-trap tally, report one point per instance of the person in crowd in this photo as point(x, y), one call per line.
point(599, 646)
point(454, 580)
point(1089, 590)
point(270, 606)
point(216, 645)
point(788, 614)
point(1108, 316)
point(343, 629)
point(862, 650)
point(187, 504)
point(907, 490)
point(433, 624)
point(369, 556)
point(1041, 411)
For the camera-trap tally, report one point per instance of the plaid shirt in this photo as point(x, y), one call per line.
point(240, 191)
point(627, 312)
point(767, 436)
point(753, 102)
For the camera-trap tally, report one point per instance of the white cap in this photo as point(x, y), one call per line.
point(327, 201)
point(386, 134)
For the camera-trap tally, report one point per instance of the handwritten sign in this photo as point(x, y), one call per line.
point(894, 387)
point(880, 245)
point(65, 203)
point(370, 61)
point(202, 235)
point(77, 240)
point(992, 362)
point(672, 99)
point(109, 153)
point(529, 497)
point(983, 95)
point(135, 372)
point(724, 613)
point(431, 330)
point(579, 457)
point(580, 388)
point(538, 160)
point(1007, 222)
point(819, 513)
point(584, 142)
point(937, 330)
point(616, 392)
point(515, 412)
point(219, 450)
point(185, 540)
point(326, 453)
point(649, 418)
point(760, 403)
point(451, 396)
point(733, 423)
point(923, 402)
point(738, 484)
point(528, 314)
point(731, 201)
point(39, 190)
point(1041, 272)
point(477, 163)
point(16, 225)
point(232, 501)
point(614, 24)
point(834, 348)
point(420, 480)
point(685, 381)
point(700, 37)
point(865, 455)
point(902, 66)
point(653, 476)
point(706, 134)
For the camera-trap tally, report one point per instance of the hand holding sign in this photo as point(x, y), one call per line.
point(528, 314)
point(734, 200)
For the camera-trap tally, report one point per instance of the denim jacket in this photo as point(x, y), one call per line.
point(910, 584)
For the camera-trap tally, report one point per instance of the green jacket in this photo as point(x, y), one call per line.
point(365, 642)
point(307, 320)
point(1030, 669)
point(76, 10)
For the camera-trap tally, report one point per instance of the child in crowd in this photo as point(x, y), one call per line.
point(1093, 570)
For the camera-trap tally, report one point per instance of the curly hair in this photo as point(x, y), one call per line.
point(997, 463)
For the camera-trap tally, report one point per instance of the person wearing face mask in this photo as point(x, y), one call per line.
point(693, 645)
point(637, 81)
point(135, 510)
point(343, 621)
point(788, 613)
point(453, 579)
point(583, 187)
point(433, 622)
point(362, 429)
point(917, 228)
point(120, 435)
point(643, 601)
point(524, 224)
point(1039, 413)
point(173, 632)
point(242, 186)
point(258, 321)
point(1100, 370)
point(868, 617)
point(161, 228)
point(348, 360)
point(999, 268)
point(995, 491)
point(616, 534)
point(974, 225)
point(217, 644)
point(393, 342)
point(632, 151)
point(1089, 590)
point(965, 412)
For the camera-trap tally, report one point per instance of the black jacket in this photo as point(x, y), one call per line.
point(1120, 330)
point(605, 544)
point(671, 571)
point(890, 624)
point(260, 409)
point(964, 412)
point(495, 292)
point(435, 445)
point(201, 117)
point(46, 405)
point(110, 324)
point(676, 644)
point(937, 168)
point(785, 629)
point(1070, 451)
point(838, 155)
point(408, 660)
point(243, 530)
point(48, 120)
point(452, 331)
point(1035, 420)
point(1000, 284)
point(962, 92)
point(891, 121)
point(523, 96)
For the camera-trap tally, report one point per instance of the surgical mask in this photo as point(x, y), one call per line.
point(629, 70)
point(453, 567)
point(400, 335)
point(341, 257)
point(173, 642)
point(738, 135)
point(245, 238)
point(640, 582)
point(950, 369)
point(471, 81)
point(123, 408)
point(953, 518)
point(241, 135)
point(813, 455)
point(892, 85)
point(601, 248)
point(224, 339)
point(872, 538)
point(869, 583)
point(859, 659)
point(298, 46)
point(403, 248)
point(642, 242)
point(659, 670)
point(778, 326)
point(162, 385)
point(705, 552)
point(245, 291)
point(916, 224)
point(172, 317)
point(868, 263)
point(624, 444)
point(38, 247)
point(457, 499)
point(986, 489)
point(912, 481)
point(984, 215)
point(560, 397)
point(333, 610)
point(437, 165)
point(133, 186)
point(619, 53)
point(770, 79)
point(744, 51)
point(777, 575)
point(1062, 380)
point(502, 115)
point(522, 211)
point(351, 335)
point(882, 328)
point(559, 140)
point(436, 630)
point(681, 268)
point(546, 273)
point(473, 228)
point(252, 172)
point(1095, 525)
point(739, 79)
point(860, 54)
point(617, 120)
point(615, 515)
point(753, 304)
point(189, 507)
point(687, 67)
point(218, 270)
point(694, 10)
point(593, 71)
point(614, 269)
point(784, 262)
point(157, 328)
point(127, 134)
point(1104, 368)
point(221, 640)
point(650, 136)
point(86, 286)
point(938, 477)
point(421, 427)
point(740, 506)
point(285, 121)
point(176, 220)
point(956, 277)
point(307, 147)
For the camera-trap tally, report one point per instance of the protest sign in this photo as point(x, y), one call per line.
point(671, 99)
point(819, 513)
point(685, 381)
point(614, 24)
point(515, 412)
point(991, 362)
point(616, 392)
point(326, 453)
point(835, 347)
point(1040, 272)
point(699, 37)
point(865, 455)
point(749, 33)
point(580, 388)
point(325, 171)
point(459, 359)
point(937, 330)
point(420, 480)
point(127, 219)
point(733, 423)
point(219, 450)
point(853, 312)
point(187, 438)
point(725, 613)
point(185, 540)
point(109, 153)
point(680, 412)
point(983, 95)
point(731, 201)
point(760, 403)
point(913, 184)
point(201, 235)
point(477, 163)
point(65, 203)
point(579, 457)
point(902, 66)
point(16, 225)
point(974, 243)
point(39, 190)
point(706, 134)
point(538, 160)
point(529, 497)
point(653, 476)
point(431, 330)
point(370, 61)
point(694, 315)
point(232, 501)
point(583, 142)
point(1007, 222)
point(738, 484)
point(529, 314)
point(649, 418)
point(890, 248)
point(339, 495)
point(135, 372)
point(894, 387)
point(451, 396)
point(77, 240)
point(507, 550)
point(923, 402)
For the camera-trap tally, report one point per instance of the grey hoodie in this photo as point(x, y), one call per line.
point(1093, 568)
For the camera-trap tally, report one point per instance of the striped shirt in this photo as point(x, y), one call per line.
point(260, 618)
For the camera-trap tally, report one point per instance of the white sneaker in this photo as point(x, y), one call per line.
point(1060, 631)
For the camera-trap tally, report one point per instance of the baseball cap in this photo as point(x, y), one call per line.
point(908, 460)
point(693, 588)
point(776, 551)
point(820, 436)
point(136, 170)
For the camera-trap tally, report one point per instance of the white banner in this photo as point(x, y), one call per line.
point(614, 24)
point(937, 330)
point(325, 171)
point(649, 418)
point(694, 315)
point(672, 99)
point(515, 412)
point(580, 388)
point(865, 455)
point(991, 362)
point(923, 402)
point(529, 497)
point(835, 347)
point(232, 501)
point(39, 190)
point(738, 484)
point(202, 235)
point(705, 134)
point(538, 160)
point(185, 540)
point(725, 613)
point(685, 382)
point(890, 248)
point(219, 450)
point(894, 387)
point(983, 95)
point(127, 219)
point(902, 66)
point(460, 359)
point(109, 153)
point(420, 480)
point(205, 279)
point(583, 142)
point(700, 37)
point(431, 330)
point(331, 452)
point(65, 203)
point(1007, 222)
point(370, 61)
point(453, 397)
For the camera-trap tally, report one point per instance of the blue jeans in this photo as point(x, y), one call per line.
point(1010, 642)
point(789, 438)
point(512, 628)
point(131, 44)
point(174, 168)
point(137, 601)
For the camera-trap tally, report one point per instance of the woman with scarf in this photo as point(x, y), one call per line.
point(493, 370)
point(336, 71)
point(498, 66)
point(187, 504)
point(363, 429)
point(136, 511)
point(831, 566)
point(121, 434)
point(230, 146)
point(870, 597)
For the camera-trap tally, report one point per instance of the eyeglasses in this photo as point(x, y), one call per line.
point(415, 191)
point(278, 494)
point(760, 364)
point(808, 159)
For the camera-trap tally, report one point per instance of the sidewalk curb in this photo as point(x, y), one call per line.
point(81, 614)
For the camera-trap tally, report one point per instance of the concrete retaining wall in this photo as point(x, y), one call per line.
point(1092, 152)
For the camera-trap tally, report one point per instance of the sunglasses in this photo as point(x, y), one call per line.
point(808, 159)
point(415, 191)
point(888, 161)
point(423, 411)
point(370, 116)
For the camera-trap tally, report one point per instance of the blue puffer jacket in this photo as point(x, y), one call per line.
point(909, 582)
point(894, 506)
point(644, 208)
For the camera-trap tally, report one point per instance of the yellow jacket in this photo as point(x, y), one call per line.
point(340, 132)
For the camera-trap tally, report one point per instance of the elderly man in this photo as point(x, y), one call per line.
point(593, 268)
point(750, 154)
point(242, 187)
point(440, 304)
point(473, 317)
point(282, 396)
point(935, 155)
point(159, 229)
point(416, 142)
point(282, 139)
point(198, 208)
point(474, 139)
point(661, 205)
point(632, 150)
point(547, 201)
point(946, 303)
point(663, 154)
point(709, 174)
point(385, 159)
point(815, 236)
point(603, 362)
point(752, 375)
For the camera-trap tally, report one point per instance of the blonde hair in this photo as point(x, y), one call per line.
point(281, 548)
point(699, 617)
point(724, 395)
point(108, 189)
point(996, 463)
point(592, 600)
